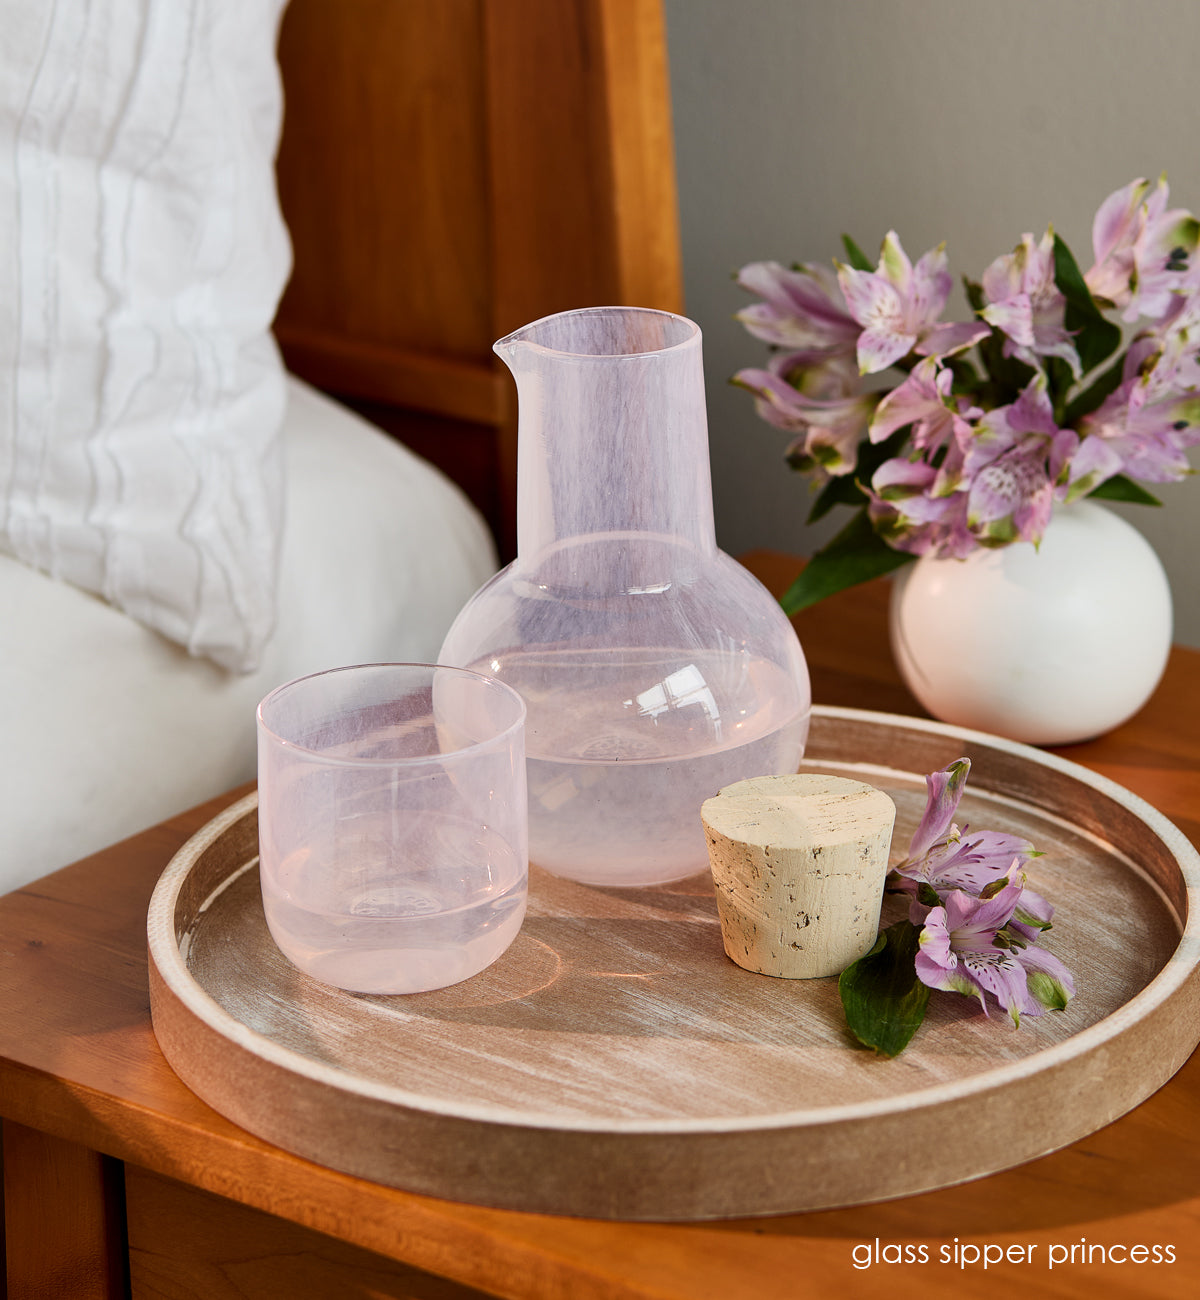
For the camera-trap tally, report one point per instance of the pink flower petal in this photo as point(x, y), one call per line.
point(1093, 463)
point(1032, 412)
point(870, 298)
point(944, 790)
point(1033, 958)
point(1008, 496)
point(974, 861)
point(1012, 316)
point(800, 308)
point(952, 337)
point(1117, 222)
point(882, 347)
point(894, 265)
point(937, 965)
point(967, 918)
point(876, 304)
point(931, 284)
point(921, 396)
point(772, 326)
point(1000, 974)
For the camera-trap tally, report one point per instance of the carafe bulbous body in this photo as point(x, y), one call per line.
point(654, 668)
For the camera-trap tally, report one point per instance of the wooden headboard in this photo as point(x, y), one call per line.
point(449, 171)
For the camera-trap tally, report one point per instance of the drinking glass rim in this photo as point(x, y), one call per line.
point(501, 739)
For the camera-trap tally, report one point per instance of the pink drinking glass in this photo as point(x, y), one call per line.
point(393, 824)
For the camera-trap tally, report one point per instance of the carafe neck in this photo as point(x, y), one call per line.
point(612, 431)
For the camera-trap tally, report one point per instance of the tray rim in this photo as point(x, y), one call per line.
point(1179, 968)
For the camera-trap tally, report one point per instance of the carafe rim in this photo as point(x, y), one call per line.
point(690, 337)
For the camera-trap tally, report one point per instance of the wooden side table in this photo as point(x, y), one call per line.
point(116, 1176)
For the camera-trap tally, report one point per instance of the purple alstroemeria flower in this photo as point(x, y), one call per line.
point(1177, 363)
point(813, 394)
point(1033, 914)
point(898, 306)
point(1024, 430)
point(1144, 251)
point(1030, 419)
point(924, 401)
point(907, 510)
point(1145, 426)
point(968, 946)
point(1026, 305)
point(995, 483)
point(1083, 464)
point(1007, 463)
point(1012, 498)
point(1147, 441)
point(944, 857)
point(973, 463)
point(943, 793)
point(801, 308)
point(1118, 222)
point(1164, 260)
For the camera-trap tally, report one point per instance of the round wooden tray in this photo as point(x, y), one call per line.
point(614, 1063)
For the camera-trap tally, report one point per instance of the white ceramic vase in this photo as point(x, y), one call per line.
point(1047, 645)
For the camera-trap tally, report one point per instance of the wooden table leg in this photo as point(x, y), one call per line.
point(64, 1219)
point(186, 1242)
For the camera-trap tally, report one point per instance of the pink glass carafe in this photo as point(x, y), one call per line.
point(655, 669)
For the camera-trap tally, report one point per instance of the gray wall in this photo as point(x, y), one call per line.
point(968, 121)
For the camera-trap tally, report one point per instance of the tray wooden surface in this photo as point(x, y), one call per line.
point(615, 1064)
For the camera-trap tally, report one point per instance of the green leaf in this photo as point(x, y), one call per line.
point(1060, 379)
point(839, 491)
point(974, 291)
point(855, 555)
point(1096, 337)
point(872, 454)
point(882, 997)
point(855, 256)
point(1120, 488)
point(1069, 279)
point(966, 377)
point(1010, 375)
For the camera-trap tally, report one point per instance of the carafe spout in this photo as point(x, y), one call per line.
point(613, 433)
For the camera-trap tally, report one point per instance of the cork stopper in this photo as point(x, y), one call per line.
point(798, 863)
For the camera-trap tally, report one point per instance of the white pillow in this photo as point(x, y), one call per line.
point(109, 728)
point(142, 255)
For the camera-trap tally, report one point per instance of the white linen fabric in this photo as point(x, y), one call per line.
point(142, 256)
point(108, 728)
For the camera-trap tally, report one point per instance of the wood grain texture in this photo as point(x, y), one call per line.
point(453, 169)
point(78, 1059)
point(614, 1063)
point(64, 1219)
point(584, 209)
point(414, 381)
point(579, 137)
point(383, 175)
point(186, 1244)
